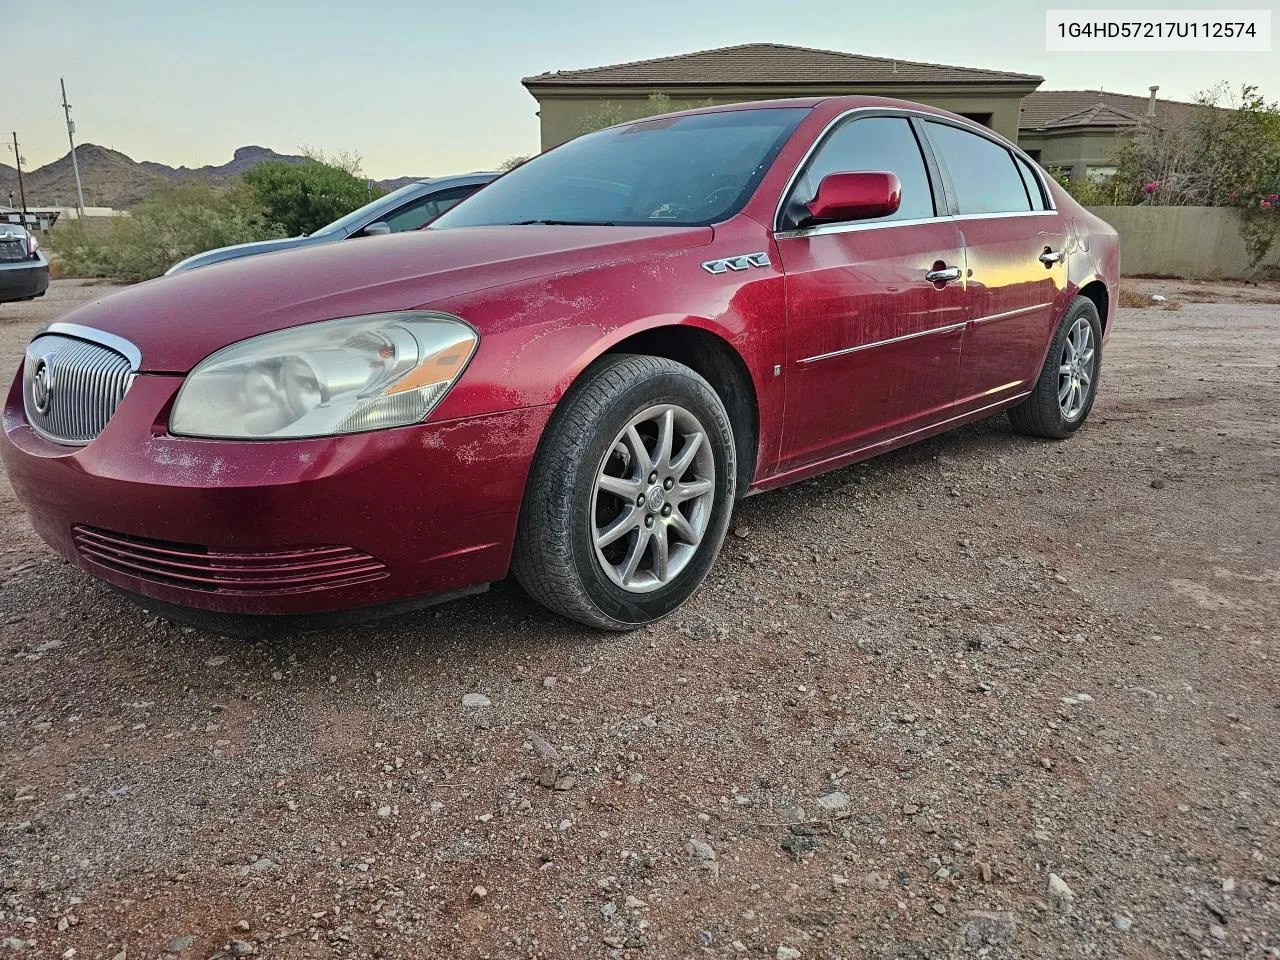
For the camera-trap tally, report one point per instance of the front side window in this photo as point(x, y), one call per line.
point(870, 144)
point(982, 172)
point(671, 171)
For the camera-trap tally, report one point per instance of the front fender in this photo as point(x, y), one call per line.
point(537, 336)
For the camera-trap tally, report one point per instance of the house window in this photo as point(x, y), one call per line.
point(1034, 155)
point(1099, 174)
point(982, 118)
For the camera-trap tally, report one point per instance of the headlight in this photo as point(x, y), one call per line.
point(339, 376)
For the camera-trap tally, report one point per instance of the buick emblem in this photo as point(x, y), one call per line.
point(42, 387)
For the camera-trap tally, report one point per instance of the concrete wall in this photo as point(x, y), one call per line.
point(1190, 242)
point(562, 110)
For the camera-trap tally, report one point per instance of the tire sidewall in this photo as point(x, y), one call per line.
point(691, 392)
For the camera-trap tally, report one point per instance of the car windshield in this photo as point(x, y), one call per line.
point(670, 171)
point(366, 214)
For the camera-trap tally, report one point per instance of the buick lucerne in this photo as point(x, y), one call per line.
point(572, 374)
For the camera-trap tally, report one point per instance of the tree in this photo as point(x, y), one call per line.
point(511, 163)
point(1226, 155)
point(302, 197)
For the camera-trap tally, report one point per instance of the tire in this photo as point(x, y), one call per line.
point(570, 501)
point(1043, 413)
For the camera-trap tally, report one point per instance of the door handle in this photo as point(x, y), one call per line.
point(1050, 257)
point(945, 275)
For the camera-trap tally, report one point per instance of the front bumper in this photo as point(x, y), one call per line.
point(434, 504)
point(24, 279)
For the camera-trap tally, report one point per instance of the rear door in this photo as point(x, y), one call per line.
point(1015, 245)
point(873, 344)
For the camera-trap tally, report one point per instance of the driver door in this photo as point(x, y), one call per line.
point(873, 342)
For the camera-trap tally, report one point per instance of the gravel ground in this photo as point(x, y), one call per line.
point(985, 696)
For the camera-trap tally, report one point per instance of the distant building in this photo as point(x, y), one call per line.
point(1073, 131)
point(1077, 132)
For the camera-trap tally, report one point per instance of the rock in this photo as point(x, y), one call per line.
point(479, 893)
point(793, 815)
point(1157, 484)
point(1228, 884)
point(1121, 922)
point(609, 909)
point(13, 943)
point(178, 944)
point(939, 908)
point(700, 850)
point(797, 845)
point(987, 927)
point(549, 682)
point(242, 926)
point(910, 809)
point(264, 865)
point(565, 783)
point(242, 948)
point(788, 953)
point(1217, 932)
point(474, 700)
point(384, 811)
point(876, 881)
point(833, 801)
point(984, 871)
point(1059, 890)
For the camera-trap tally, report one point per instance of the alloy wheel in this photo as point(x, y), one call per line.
point(652, 498)
point(1076, 369)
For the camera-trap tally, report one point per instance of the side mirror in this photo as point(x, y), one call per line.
point(378, 229)
point(854, 196)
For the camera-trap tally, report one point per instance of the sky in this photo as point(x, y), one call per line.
point(431, 89)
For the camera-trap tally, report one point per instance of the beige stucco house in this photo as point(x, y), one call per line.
point(1074, 131)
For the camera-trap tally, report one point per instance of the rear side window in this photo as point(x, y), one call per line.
point(1032, 183)
point(985, 178)
point(872, 144)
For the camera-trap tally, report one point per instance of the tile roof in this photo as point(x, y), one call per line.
point(1049, 109)
point(772, 64)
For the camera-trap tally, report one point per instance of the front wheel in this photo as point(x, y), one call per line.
point(629, 496)
point(1068, 382)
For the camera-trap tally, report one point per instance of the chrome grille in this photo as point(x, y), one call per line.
point(72, 386)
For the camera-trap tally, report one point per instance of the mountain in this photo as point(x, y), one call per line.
point(109, 178)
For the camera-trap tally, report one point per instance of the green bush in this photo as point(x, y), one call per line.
point(175, 223)
point(303, 197)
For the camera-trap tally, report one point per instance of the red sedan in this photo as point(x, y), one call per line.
point(571, 375)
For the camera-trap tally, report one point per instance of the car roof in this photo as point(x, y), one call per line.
point(461, 179)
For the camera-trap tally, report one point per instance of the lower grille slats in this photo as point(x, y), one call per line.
point(195, 567)
point(71, 387)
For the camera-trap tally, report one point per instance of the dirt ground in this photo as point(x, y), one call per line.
point(985, 696)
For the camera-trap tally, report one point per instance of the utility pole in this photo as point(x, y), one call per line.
point(71, 130)
point(22, 191)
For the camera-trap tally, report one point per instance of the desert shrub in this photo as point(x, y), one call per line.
point(175, 223)
point(302, 197)
point(1087, 192)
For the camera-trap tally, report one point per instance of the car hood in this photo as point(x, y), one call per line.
point(235, 251)
point(177, 321)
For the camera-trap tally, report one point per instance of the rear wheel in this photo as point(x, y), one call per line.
point(1068, 382)
point(629, 496)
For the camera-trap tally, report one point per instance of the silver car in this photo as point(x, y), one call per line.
point(408, 208)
